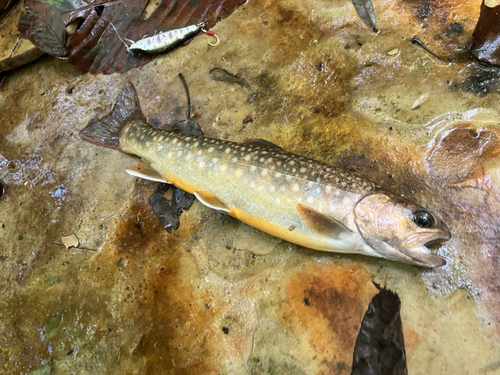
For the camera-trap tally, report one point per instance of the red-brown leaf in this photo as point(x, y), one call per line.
point(485, 44)
point(95, 47)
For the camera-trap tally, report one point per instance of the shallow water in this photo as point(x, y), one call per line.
point(216, 296)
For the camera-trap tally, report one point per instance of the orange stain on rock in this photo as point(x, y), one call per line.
point(412, 339)
point(157, 295)
point(327, 305)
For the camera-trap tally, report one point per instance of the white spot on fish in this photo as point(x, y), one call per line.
point(272, 188)
point(277, 175)
point(278, 163)
point(179, 153)
point(310, 199)
point(294, 170)
point(264, 173)
point(261, 160)
point(318, 180)
point(148, 144)
point(228, 150)
point(238, 172)
point(291, 162)
point(210, 149)
point(302, 170)
point(295, 187)
point(288, 178)
point(174, 141)
point(235, 160)
point(253, 168)
point(215, 160)
point(223, 167)
point(201, 164)
point(196, 144)
point(252, 185)
point(188, 138)
point(161, 138)
point(269, 160)
point(142, 136)
point(310, 184)
point(170, 154)
point(328, 188)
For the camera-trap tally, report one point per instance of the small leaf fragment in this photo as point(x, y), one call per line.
point(393, 52)
point(70, 241)
point(366, 12)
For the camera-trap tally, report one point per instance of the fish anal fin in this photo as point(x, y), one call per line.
point(261, 143)
point(321, 223)
point(210, 200)
point(146, 171)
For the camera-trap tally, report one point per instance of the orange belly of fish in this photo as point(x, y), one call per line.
point(288, 234)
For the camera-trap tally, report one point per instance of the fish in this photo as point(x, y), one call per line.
point(300, 200)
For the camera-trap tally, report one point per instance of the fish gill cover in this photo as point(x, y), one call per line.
point(83, 34)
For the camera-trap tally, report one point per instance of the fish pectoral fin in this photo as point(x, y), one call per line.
point(261, 143)
point(321, 223)
point(146, 171)
point(210, 200)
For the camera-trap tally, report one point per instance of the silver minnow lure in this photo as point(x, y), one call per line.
point(291, 197)
point(164, 41)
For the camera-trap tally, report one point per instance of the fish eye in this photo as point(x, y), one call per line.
point(424, 219)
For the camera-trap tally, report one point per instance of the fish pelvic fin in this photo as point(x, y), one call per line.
point(321, 223)
point(210, 200)
point(106, 131)
point(146, 171)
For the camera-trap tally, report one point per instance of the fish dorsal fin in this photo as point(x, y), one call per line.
point(144, 170)
point(321, 223)
point(261, 143)
point(210, 200)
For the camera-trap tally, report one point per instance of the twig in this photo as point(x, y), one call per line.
point(74, 247)
point(15, 46)
point(187, 94)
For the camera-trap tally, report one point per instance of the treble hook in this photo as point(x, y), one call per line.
point(211, 34)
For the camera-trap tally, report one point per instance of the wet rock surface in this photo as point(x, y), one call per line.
point(216, 296)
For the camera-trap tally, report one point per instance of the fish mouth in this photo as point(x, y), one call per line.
point(416, 248)
point(428, 238)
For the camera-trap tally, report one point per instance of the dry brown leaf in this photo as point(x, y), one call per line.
point(14, 52)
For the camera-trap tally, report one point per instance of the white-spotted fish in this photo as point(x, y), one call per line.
point(291, 197)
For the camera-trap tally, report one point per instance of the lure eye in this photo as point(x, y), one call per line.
point(424, 219)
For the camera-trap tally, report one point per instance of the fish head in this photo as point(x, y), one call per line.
point(398, 229)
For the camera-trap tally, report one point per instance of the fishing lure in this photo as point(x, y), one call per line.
point(164, 41)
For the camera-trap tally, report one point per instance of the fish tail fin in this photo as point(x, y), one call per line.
point(106, 131)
